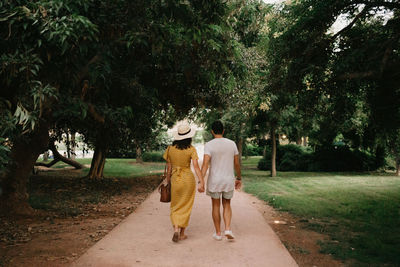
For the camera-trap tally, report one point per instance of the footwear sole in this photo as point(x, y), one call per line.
point(175, 238)
point(230, 237)
point(217, 239)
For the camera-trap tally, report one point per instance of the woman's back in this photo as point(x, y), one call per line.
point(181, 157)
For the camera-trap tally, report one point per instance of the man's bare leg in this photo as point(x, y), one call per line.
point(226, 204)
point(216, 215)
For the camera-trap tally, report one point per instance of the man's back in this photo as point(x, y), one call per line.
point(221, 177)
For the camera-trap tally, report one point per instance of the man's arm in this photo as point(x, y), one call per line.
point(238, 182)
point(206, 162)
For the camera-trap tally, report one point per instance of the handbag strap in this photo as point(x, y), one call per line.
point(166, 164)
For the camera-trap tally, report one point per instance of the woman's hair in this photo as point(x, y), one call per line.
point(182, 144)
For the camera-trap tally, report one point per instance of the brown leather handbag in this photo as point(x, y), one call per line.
point(165, 192)
point(165, 187)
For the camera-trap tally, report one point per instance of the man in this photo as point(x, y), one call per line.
point(222, 155)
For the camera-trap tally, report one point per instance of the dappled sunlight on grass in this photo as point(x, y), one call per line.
point(120, 167)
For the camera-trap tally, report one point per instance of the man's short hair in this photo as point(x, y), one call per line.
point(217, 127)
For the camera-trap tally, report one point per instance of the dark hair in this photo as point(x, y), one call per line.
point(217, 127)
point(182, 144)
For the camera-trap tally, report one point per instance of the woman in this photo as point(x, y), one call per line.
point(183, 184)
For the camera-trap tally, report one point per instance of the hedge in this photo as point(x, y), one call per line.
point(153, 157)
point(336, 158)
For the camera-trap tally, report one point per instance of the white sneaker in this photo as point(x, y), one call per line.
point(217, 237)
point(229, 235)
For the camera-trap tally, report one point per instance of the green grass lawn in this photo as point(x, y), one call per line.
point(359, 211)
point(121, 167)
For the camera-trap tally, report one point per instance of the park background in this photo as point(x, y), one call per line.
point(308, 90)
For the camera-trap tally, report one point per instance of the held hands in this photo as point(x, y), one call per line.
point(200, 188)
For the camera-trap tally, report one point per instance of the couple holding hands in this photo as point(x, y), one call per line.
point(221, 156)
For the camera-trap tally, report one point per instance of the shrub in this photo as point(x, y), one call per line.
point(264, 164)
point(152, 157)
point(122, 153)
point(288, 158)
point(335, 158)
point(253, 150)
point(342, 158)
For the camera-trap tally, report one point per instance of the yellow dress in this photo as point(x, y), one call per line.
point(183, 184)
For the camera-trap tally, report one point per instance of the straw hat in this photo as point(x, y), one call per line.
point(184, 131)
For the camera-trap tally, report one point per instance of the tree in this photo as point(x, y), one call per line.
point(40, 56)
point(342, 72)
point(79, 65)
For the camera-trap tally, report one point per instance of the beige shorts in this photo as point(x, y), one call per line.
point(217, 195)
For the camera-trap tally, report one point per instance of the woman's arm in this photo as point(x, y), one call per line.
point(199, 174)
point(169, 171)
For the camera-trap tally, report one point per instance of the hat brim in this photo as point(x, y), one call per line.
point(178, 137)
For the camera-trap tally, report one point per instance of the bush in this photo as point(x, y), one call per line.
point(253, 150)
point(342, 158)
point(264, 164)
point(288, 158)
point(335, 158)
point(152, 157)
point(122, 153)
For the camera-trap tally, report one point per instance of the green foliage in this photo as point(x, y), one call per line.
point(124, 153)
point(253, 150)
point(333, 158)
point(153, 157)
point(4, 151)
point(341, 81)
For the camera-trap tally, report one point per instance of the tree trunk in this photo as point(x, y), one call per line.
point(58, 157)
point(68, 145)
point(46, 156)
point(298, 141)
point(240, 149)
point(73, 145)
point(139, 158)
point(265, 152)
point(305, 141)
point(98, 162)
point(398, 166)
point(24, 154)
point(273, 153)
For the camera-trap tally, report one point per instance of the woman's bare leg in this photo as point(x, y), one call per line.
point(182, 235)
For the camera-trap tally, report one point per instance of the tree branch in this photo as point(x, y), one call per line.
point(95, 114)
point(359, 15)
point(58, 157)
point(356, 75)
point(391, 5)
point(84, 71)
point(48, 165)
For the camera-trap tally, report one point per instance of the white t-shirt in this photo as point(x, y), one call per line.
point(221, 176)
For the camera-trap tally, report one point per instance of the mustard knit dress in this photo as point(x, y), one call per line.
point(183, 184)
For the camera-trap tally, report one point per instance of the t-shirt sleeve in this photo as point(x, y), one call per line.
point(166, 154)
point(194, 154)
point(236, 152)
point(207, 149)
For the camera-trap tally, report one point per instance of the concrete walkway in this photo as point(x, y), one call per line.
point(144, 239)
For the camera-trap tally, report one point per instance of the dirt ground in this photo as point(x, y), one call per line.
point(73, 214)
point(76, 214)
point(301, 243)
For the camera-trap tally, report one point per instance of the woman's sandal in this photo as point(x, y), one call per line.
point(175, 238)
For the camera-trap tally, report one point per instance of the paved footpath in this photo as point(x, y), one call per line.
point(144, 239)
